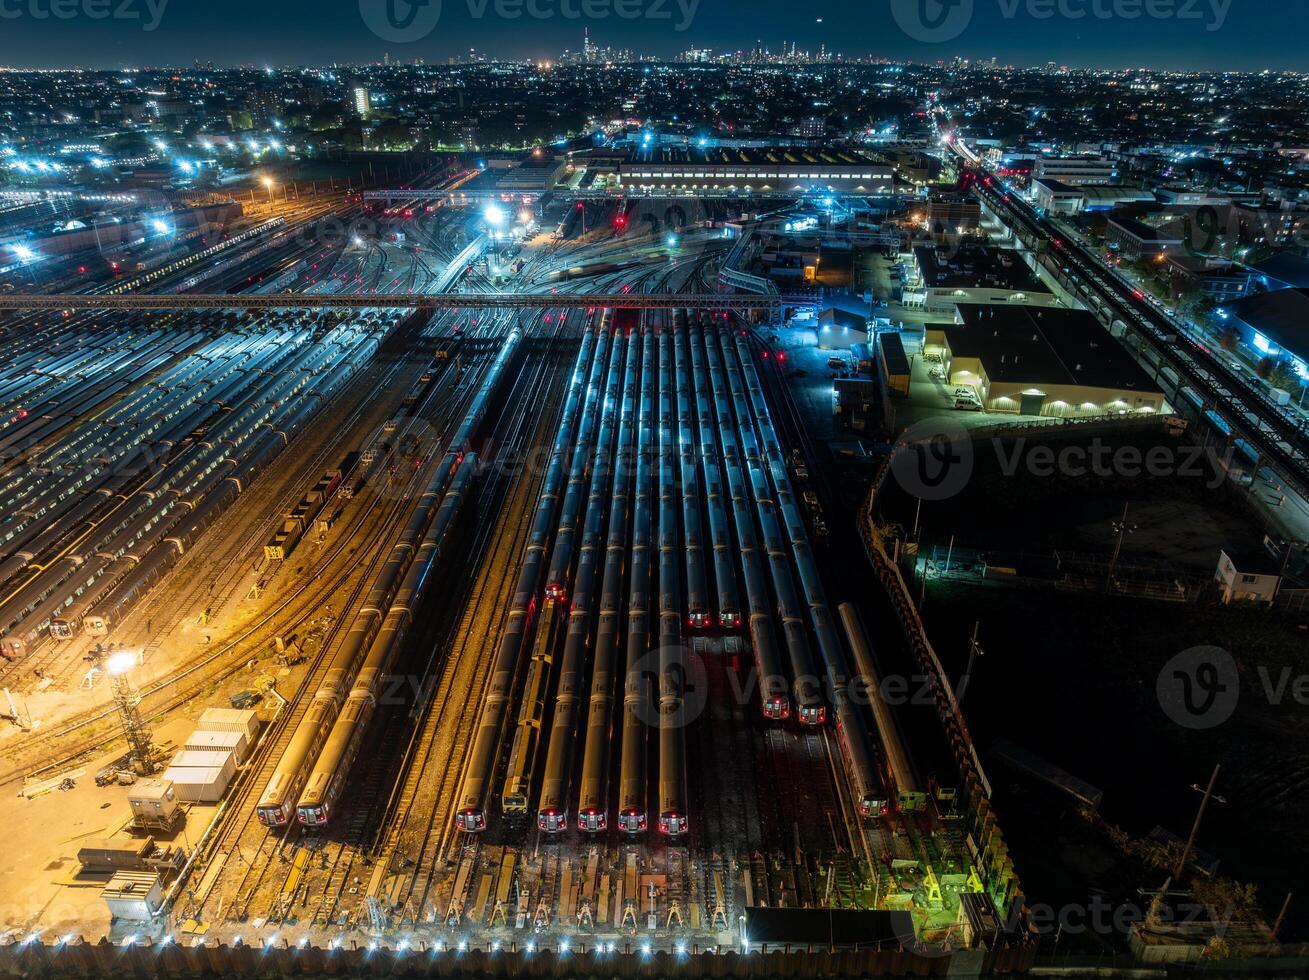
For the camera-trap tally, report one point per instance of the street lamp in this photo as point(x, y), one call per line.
point(269, 183)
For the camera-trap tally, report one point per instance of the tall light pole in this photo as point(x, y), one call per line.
point(128, 703)
point(268, 182)
point(1195, 827)
point(1123, 528)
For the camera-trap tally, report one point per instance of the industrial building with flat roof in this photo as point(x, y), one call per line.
point(1053, 362)
point(784, 169)
point(942, 278)
point(1275, 325)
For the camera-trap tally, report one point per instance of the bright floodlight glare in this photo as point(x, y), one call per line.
point(266, 181)
point(122, 662)
point(494, 215)
point(24, 253)
point(646, 949)
point(162, 227)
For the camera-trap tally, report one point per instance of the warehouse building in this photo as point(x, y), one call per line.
point(786, 169)
point(939, 278)
point(1075, 170)
point(1275, 325)
point(1134, 239)
point(1052, 362)
point(1056, 197)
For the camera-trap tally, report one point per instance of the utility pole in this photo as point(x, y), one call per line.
point(1277, 926)
point(1195, 827)
point(974, 651)
point(1123, 529)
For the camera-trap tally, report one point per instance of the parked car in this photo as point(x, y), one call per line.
point(967, 405)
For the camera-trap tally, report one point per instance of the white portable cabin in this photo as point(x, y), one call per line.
point(206, 785)
point(238, 743)
point(135, 896)
point(230, 720)
point(153, 801)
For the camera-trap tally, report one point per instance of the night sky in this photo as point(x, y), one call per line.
point(1174, 34)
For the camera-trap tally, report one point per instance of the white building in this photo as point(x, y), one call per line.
point(1247, 577)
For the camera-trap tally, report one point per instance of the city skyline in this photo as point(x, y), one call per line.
point(1106, 34)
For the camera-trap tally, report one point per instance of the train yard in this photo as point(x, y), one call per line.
point(549, 641)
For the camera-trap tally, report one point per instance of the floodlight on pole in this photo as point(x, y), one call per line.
point(123, 661)
point(128, 703)
point(494, 215)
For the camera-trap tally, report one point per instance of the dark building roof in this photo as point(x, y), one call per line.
point(976, 267)
point(1058, 186)
point(1284, 269)
point(828, 927)
point(897, 361)
point(1143, 232)
point(1253, 562)
point(836, 317)
point(1045, 345)
point(1281, 316)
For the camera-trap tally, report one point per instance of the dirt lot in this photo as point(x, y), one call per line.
point(1074, 678)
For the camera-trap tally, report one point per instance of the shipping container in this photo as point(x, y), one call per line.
point(128, 853)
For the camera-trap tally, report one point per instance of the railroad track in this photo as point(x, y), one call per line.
point(291, 612)
point(363, 803)
point(235, 837)
point(420, 818)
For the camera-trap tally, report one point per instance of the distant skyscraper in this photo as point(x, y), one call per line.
point(363, 102)
point(587, 54)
